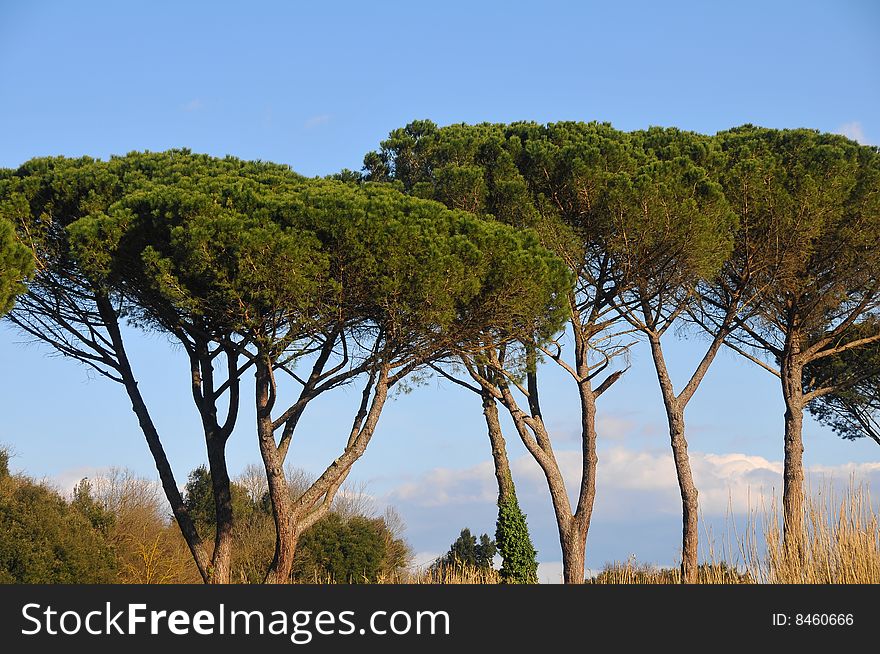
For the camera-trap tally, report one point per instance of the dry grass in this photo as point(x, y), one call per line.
point(458, 574)
point(841, 545)
point(453, 574)
point(632, 572)
point(841, 542)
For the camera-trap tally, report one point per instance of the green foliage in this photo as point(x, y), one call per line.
point(357, 549)
point(519, 562)
point(16, 265)
point(199, 501)
point(233, 246)
point(670, 224)
point(809, 237)
point(83, 501)
point(45, 540)
point(807, 255)
point(466, 551)
point(221, 251)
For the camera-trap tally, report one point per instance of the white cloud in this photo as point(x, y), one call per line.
point(317, 121)
point(854, 131)
point(445, 486)
point(632, 484)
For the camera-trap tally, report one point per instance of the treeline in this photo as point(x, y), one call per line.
point(116, 530)
point(480, 254)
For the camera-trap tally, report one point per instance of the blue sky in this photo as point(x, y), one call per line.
point(317, 86)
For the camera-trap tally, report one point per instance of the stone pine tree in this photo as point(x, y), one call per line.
point(180, 248)
point(671, 228)
point(446, 165)
point(808, 245)
point(76, 315)
point(418, 283)
point(357, 282)
point(97, 269)
point(547, 178)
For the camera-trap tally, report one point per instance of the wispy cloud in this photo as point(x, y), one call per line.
point(193, 105)
point(632, 484)
point(446, 486)
point(854, 131)
point(317, 121)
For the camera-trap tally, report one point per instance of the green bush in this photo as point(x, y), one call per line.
point(45, 540)
point(348, 550)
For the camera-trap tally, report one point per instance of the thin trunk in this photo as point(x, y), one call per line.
point(791, 373)
point(584, 512)
point(282, 506)
point(689, 499)
point(519, 564)
point(687, 488)
point(163, 467)
point(499, 449)
point(587, 395)
point(221, 561)
point(573, 527)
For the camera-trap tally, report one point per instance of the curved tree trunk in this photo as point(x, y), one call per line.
point(169, 485)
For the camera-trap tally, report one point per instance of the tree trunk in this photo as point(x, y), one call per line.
point(519, 564)
point(689, 503)
point(687, 488)
point(573, 539)
point(584, 512)
point(151, 434)
point(572, 526)
point(169, 485)
point(282, 510)
point(221, 561)
point(499, 449)
point(791, 373)
point(202, 377)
